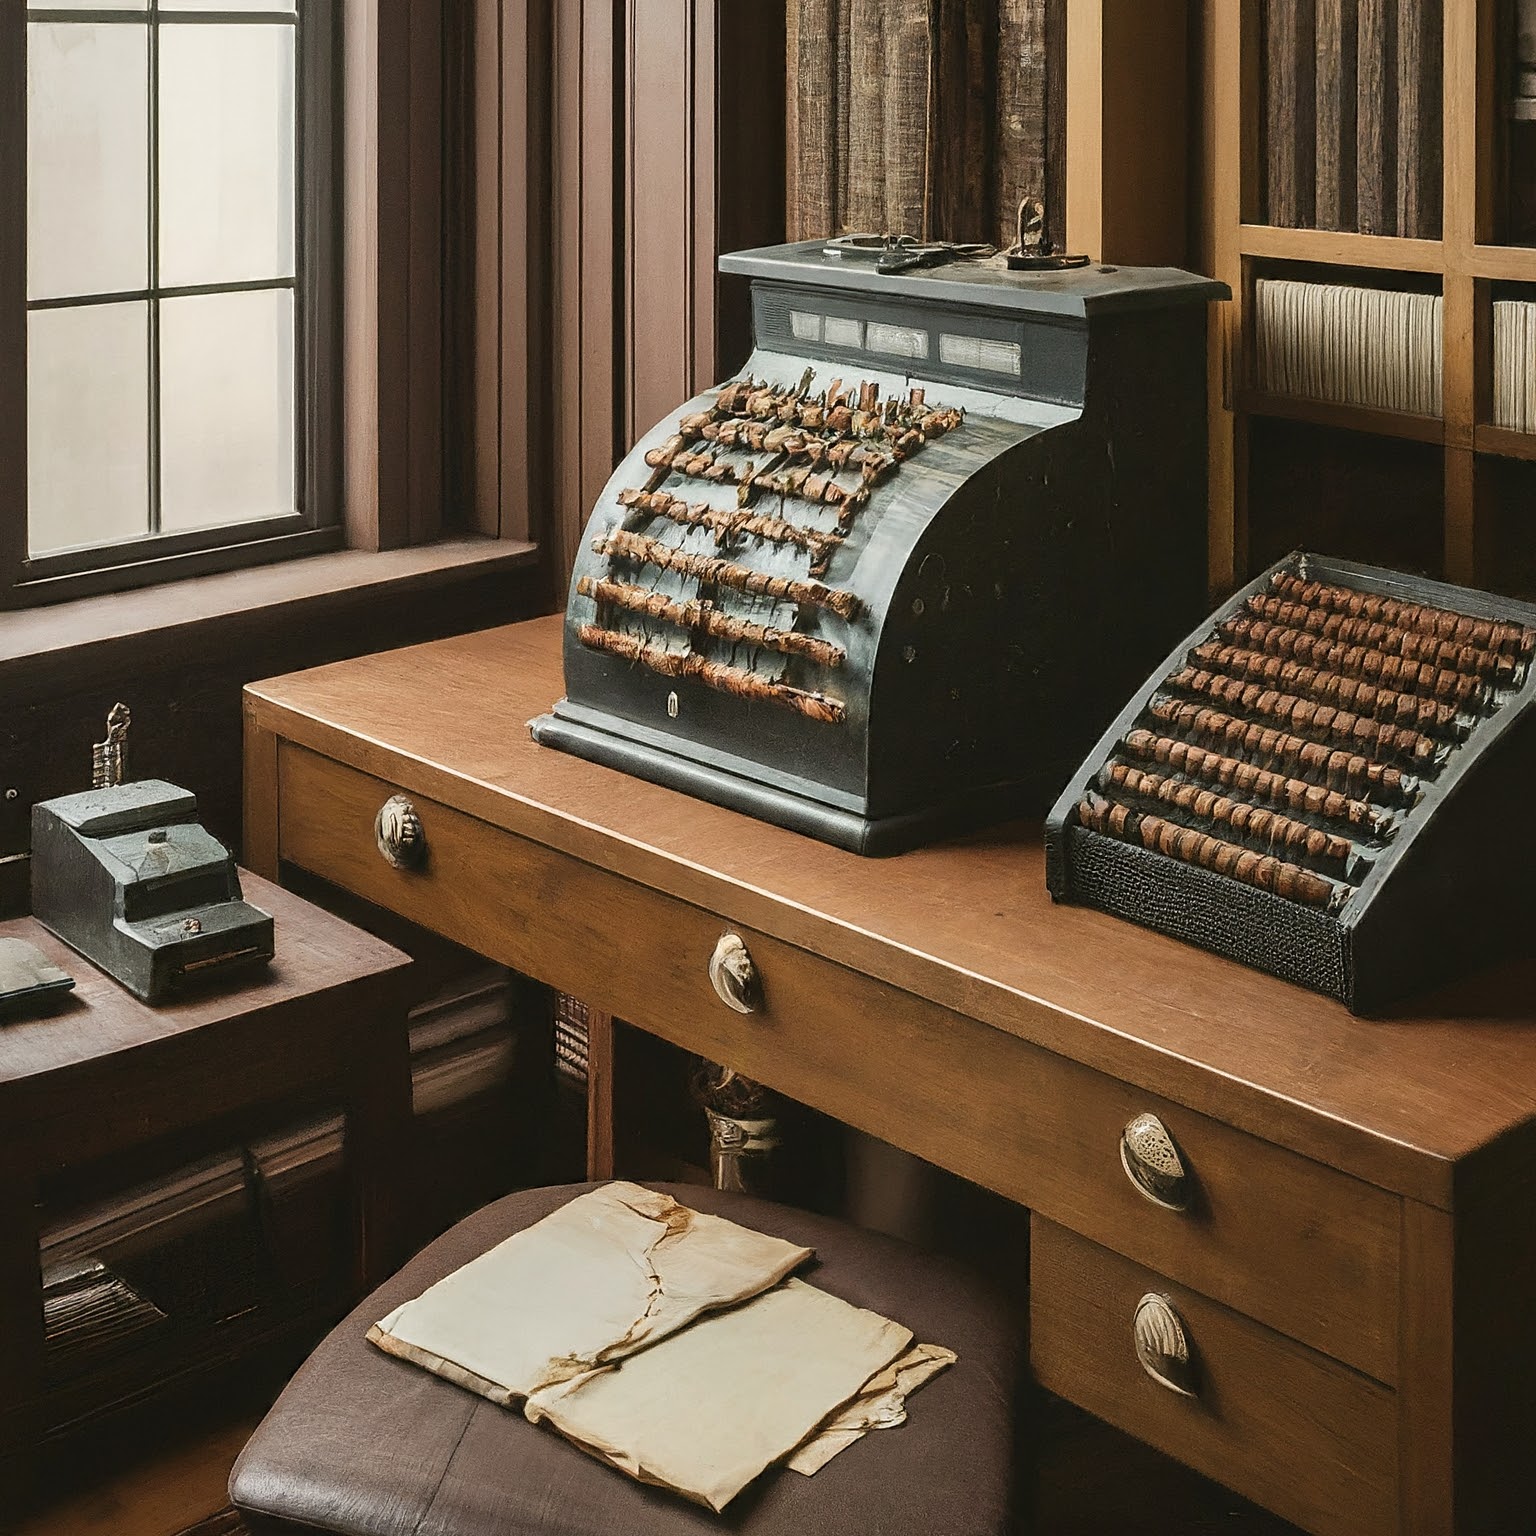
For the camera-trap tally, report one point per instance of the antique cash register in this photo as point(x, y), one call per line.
point(899, 572)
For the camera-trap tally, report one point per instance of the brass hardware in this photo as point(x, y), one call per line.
point(397, 830)
point(1162, 1345)
point(1152, 1163)
point(733, 975)
point(107, 756)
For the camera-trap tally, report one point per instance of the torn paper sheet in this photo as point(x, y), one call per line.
point(614, 1270)
point(881, 1404)
point(711, 1408)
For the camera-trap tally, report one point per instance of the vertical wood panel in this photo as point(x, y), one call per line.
point(484, 512)
point(661, 210)
point(1019, 168)
point(424, 301)
point(13, 297)
point(392, 255)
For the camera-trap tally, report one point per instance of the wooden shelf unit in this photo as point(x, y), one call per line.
point(1467, 260)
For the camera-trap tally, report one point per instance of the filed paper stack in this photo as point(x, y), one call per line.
point(1514, 365)
point(90, 1314)
point(463, 1042)
point(1377, 347)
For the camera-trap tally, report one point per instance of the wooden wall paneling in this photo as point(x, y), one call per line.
point(391, 273)
point(1224, 158)
point(13, 299)
point(1290, 108)
point(1465, 195)
point(1127, 130)
point(1420, 59)
point(1337, 60)
point(966, 64)
point(585, 282)
point(423, 182)
point(661, 210)
point(739, 93)
point(1020, 162)
point(1376, 118)
point(524, 265)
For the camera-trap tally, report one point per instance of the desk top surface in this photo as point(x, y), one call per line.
point(1428, 1102)
point(316, 953)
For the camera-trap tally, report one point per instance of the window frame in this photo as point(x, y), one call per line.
point(316, 525)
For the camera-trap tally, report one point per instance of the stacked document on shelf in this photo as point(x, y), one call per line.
point(1377, 347)
point(150, 1215)
point(1514, 364)
point(674, 1346)
point(90, 1313)
point(463, 1042)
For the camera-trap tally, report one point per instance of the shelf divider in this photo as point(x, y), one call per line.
point(1342, 248)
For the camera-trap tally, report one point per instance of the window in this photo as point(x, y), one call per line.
point(179, 289)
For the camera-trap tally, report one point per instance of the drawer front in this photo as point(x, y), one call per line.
point(1302, 1247)
point(1294, 1431)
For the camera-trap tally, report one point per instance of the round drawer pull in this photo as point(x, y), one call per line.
point(733, 975)
point(398, 832)
point(1152, 1163)
point(1162, 1345)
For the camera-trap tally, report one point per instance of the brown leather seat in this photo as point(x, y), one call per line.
point(361, 1444)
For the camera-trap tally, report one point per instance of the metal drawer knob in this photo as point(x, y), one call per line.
point(398, 832)
point(1152, 1163)
point(1162, 1345)
point(733, 975)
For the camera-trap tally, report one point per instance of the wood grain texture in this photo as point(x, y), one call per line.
point(1281, 1425)
point(1337, 102)
point(1290, 111)
point(259, 819)
point(13, 296)
point(1036, 1128)
point(1376, 119)
point(1425, 1102)
point(1420, 139)
point(1426, 1392)
point(1023, 108)
point(601, 1095)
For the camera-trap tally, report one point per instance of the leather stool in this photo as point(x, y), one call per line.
point(361, 1444)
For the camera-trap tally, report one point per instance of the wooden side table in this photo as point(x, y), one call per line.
point(325, 1022)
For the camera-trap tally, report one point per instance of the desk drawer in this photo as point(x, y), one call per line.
point(1301, 1247)
point(1296, 1432)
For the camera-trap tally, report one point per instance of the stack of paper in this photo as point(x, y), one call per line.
point(1376, 347)
point(670, 1344)
point(89, 1314)
point(1514, 364)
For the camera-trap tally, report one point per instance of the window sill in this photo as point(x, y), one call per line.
point(46, 648)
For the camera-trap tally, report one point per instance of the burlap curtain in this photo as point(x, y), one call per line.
point(924, 117)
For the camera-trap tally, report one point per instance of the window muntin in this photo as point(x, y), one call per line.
point(174, 276)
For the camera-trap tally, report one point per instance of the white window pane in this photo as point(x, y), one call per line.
point(226, 153)
point(87, 158)
point(226, 408)
point(282, 7)
point(138, 6)
point(87, 425)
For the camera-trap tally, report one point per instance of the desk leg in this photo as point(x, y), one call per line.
point(21, 1326)
point(379, 1128)
point(600, 1095)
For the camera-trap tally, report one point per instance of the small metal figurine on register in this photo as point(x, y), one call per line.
point(125, 875)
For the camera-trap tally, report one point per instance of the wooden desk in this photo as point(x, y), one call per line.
point(1357, 1269)
point(105, 1074)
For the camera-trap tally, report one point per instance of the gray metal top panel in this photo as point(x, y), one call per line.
point(985, 284)
point(124, 807)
